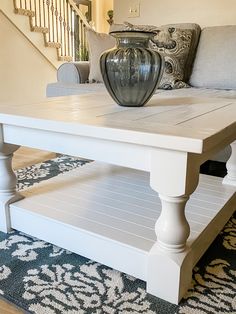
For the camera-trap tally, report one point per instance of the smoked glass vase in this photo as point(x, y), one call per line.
point(131, 71)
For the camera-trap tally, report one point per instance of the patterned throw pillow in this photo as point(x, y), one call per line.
point(196, 31)
point(174, 44)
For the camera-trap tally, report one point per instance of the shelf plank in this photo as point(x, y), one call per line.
point(102, 206)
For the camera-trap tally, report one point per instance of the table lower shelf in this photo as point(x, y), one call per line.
point(107, 213)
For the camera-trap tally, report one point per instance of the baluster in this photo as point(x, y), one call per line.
point(40, 13)
point(32, 7)
point(68, 29)
point(56, 18)
point(65, 26)
point(72, 34)
point(64, 31)
point(16, 6)
point(44, 14)
point(61, 28)
point(48, 10)
point(52, 20)
point(76, 36)
point(81, 41)
point(85, 44)
point(35, 11)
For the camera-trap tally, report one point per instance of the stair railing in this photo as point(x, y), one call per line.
point(61, 23)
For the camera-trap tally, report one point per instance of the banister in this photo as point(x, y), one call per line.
point(79, 13)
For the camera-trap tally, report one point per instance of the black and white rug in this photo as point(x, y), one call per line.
point(44, 279)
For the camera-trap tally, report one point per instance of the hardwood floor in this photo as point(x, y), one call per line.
point(24, 157)
point(7, 308)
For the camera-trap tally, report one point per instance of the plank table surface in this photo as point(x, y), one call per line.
point(188, 121)
point(142, 207)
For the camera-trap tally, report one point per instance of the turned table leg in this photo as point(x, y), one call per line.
point(174, 175)
point(230, 178)
point(8, 181)
point(172, 228)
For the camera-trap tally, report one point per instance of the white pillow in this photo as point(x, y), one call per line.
point(98, 43)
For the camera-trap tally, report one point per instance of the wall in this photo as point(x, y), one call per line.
point(24, 72)
point(99, 9)
point(158, 12)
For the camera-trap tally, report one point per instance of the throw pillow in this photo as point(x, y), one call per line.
point(97, 44)
point(215, 62)
point(196, 30)
point(174, 44)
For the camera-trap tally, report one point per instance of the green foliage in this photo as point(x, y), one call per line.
point(82, 54)
point(110, 14)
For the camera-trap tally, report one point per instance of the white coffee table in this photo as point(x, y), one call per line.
point(107, 210)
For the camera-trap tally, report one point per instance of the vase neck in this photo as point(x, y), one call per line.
point(133, 38)
point(134, 42)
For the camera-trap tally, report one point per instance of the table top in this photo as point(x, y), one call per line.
point(188, 123)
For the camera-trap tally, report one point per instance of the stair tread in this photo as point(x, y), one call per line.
point(25, 12)
point(65, 58)
point(53, 44)
point(39, 29)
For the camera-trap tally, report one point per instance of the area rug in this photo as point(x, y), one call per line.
point(44, 279)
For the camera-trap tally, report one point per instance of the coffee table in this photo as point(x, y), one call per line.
point(106, 210)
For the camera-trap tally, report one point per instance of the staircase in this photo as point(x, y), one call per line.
point(56, 28)
point(58, 21)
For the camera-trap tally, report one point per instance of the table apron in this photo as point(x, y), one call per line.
point(113, 152)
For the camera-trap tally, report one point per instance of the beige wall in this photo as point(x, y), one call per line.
point(99, 9)
point(157, 12)
point(24, 72)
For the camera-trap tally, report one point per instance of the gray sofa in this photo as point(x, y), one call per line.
point(213, 73)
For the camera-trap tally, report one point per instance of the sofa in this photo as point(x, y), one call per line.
point(209, 67)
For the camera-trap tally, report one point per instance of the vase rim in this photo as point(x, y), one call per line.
point(153, 33)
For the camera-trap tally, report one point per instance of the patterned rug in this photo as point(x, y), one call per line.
point(44, 279)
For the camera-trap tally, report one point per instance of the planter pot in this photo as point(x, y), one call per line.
point(131, 71)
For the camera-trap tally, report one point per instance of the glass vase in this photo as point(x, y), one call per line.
point(132, 70)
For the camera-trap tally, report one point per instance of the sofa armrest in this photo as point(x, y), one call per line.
point(73, 72)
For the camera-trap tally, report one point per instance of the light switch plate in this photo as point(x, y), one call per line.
point(134, 10)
